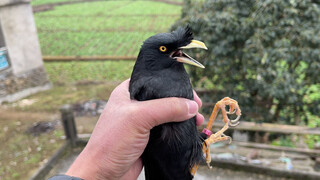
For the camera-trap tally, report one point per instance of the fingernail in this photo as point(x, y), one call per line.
point(192, 107)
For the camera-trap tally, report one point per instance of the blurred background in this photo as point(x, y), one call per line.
point(263, 53)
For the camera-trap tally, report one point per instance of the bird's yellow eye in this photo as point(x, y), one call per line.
point(163, 48)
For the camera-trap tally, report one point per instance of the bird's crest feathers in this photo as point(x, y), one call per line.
point(180, 37)
point(184, 35)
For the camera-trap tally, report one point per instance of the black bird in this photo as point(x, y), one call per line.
point(173, 148)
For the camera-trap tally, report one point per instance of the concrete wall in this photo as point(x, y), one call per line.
point(2, 43)
point(19, 31)
point(26, 74)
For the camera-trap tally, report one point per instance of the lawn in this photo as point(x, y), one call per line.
point(42, 2)
point(61, 73)
point(114, 28)
point(102, 28)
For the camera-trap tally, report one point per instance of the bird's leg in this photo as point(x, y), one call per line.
point(217, 137)
point(220, 136)
point(234, 108)
point(194, 169)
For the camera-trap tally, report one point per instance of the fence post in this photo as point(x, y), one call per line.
point(69, 124)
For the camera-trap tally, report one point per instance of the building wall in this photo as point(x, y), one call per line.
point(2, 43)
point(26, 74)
point(19, 31)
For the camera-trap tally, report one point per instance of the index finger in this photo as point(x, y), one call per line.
point(197, 99)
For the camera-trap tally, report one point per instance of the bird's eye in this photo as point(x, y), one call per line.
point(163, 48)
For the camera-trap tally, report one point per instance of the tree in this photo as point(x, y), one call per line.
point(264, 53)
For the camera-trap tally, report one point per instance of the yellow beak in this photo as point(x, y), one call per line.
point(185, 58)
point(195, 44)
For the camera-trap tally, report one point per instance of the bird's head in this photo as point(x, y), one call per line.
point(164, 50)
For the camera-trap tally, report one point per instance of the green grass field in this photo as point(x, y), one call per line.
point(72, 72)
point(42, 2)
point(113, 28)
point(102, 28)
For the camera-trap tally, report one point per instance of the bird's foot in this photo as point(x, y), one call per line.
point(219, 136)
point(233, 109)
point(222, 105)
point(216, 137)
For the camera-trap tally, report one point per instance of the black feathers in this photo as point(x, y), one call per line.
point(184, 36)
point(173, 148)
point(177, 38)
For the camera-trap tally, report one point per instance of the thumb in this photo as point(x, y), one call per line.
point(159, 111)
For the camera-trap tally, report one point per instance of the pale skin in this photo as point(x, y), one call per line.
point(122, 132)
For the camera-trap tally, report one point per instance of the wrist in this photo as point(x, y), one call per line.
point(92, 164)
point(64, 177)
point(86, 166)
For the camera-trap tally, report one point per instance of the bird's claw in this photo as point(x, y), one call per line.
point(229, 112)
point(216, 137)
point(233, 109)
point(228, 138)
point(220, 136)
point(233, 123)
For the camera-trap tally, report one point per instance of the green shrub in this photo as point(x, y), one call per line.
point(263, 53)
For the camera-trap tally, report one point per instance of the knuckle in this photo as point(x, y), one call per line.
point(134, 109)
point(132, 112)
point(140, 117)
point(175, 106)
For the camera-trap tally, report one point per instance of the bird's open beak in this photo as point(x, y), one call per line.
point(185, 58)
point(195, 44)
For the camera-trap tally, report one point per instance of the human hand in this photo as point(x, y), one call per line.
point(122, 133)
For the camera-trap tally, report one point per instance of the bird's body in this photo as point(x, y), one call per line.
point(173, 148)
point(172, 145)
point(171, 82)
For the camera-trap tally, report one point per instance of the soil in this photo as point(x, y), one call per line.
point(22, 153)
